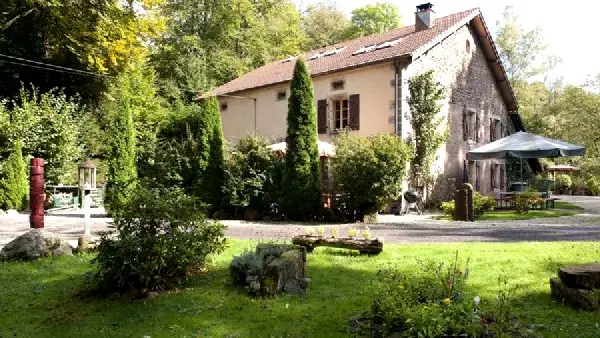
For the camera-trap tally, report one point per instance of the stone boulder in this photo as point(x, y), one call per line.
point(35, 244)
point(579, 298)
point(581, 276)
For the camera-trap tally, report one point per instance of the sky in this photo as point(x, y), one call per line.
point(569, 30)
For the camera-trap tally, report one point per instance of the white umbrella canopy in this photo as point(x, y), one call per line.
point(525, 145)
point(325, 149)
point(563, 167)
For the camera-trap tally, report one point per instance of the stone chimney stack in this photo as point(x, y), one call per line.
point(424, 16)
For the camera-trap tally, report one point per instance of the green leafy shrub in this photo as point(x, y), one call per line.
point(14, 185)
point(434, 302)
point(251, 172)
point(449, 209)
point(160, 236)
point(593, 185)
point(563, 181)
point(368, 172)
point(301, 179)
point(482, 204)
point(524, 201)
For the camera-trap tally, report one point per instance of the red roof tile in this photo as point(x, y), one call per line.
point(411, 41)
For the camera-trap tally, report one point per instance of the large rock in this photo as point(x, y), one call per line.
point(35, 244)
point(87, 243)
point(579, 298)
point(581, 276)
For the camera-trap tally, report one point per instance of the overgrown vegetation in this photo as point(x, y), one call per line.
point(434, 301)
point(160, 237)
point(253, 179)
point(429, 131)
point(301, 176)
point(368, 172)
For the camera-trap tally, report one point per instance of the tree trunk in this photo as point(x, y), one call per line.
point(365, 246)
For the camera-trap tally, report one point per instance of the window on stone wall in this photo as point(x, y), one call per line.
point(477, 127)
point(494, 175)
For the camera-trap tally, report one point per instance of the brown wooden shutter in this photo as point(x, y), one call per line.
point(477, 126)
point(322, 116)
point(502, 177)
point(493, 176)
point(354, 102)
point(492, 138)
point(478, 176)
point(501, 129)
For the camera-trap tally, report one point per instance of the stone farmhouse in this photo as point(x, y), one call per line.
point(362, 85)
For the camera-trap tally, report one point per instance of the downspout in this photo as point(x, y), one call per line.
point(398, 98)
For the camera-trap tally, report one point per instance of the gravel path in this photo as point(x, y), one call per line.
point(400, 229)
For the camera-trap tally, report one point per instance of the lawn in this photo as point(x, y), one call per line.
point(511, 215)
point(39, 299)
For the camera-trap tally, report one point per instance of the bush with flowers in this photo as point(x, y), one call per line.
point(433, 302)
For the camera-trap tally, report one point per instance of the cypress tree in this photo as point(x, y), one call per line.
point(14, 185)
point(301, 178)
point(210, 144)
point(122, 171)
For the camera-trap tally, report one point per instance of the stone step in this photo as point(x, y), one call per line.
point(585, 276)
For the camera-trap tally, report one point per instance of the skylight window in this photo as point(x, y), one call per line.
point(365, 49)
point(389, 43)
point(291, 58)
point(316, 56)
point(334, 51)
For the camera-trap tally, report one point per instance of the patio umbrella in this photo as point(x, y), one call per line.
point(325, 149)
point(525, 145)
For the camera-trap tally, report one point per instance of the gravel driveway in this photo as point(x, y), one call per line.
point(400, 229)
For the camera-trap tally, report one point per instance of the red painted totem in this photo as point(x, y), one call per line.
point(36, 193)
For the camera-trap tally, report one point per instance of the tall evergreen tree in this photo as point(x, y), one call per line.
point(14, 186)
point(122, 172)
point(301, 179)
point(210, 137)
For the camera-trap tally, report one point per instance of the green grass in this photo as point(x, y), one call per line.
point(39, 299)
point(511, 215)
point(567, 205)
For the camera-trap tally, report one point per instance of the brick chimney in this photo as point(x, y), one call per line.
point(424, 16)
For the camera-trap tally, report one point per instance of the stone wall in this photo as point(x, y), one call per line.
point(460, 66)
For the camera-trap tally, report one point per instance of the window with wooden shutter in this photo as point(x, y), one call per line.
point(465, 171)
point(492, 133)
point(465, 125)
point(477, 126)
point(341, 114)
point(501, 129)
point(354, 122)
point(322, 116)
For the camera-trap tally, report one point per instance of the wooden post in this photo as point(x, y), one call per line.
point(37, 197)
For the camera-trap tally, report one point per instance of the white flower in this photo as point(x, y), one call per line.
point(476, 300)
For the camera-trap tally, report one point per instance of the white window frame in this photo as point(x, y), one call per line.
point(341, 105)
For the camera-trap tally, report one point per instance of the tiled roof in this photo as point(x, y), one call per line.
point(410, 42)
